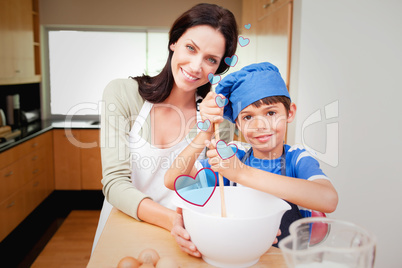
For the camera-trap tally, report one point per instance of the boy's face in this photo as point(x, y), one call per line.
point(265, 128)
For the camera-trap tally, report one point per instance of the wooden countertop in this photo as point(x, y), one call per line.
point(124, 236)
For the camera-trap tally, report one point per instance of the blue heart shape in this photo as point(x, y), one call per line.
point(221, 102)
point(231, 61)
point(204, 125)
point(214, 79)
point(243, 41)
point(204, 179)
point(224, 150)
point(247, 26)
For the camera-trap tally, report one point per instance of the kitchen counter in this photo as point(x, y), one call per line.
point(125, 236)
point(39, 127)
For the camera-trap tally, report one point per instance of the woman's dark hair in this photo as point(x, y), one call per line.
point(157, 88)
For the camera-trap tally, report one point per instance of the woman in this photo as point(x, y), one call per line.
point(148, 121)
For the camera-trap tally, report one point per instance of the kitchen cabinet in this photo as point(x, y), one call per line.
point(67, 160)
point(26, 179)
point(77, 161)
point(19, 42)
point(269, 30)
point(270, 33)
point(91, 166)
point(36, 37)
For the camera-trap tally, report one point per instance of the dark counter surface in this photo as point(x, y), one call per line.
point(39, 127)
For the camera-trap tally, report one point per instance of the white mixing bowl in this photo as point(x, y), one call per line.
point(238, 240)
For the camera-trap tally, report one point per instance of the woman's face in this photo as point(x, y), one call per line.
point(197, 53)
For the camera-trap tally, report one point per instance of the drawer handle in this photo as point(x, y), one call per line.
point(34, 144)
point(36, 183)
point(11, 204)
point(9, 174)
point(268, 4)
point(35, 171)
point(34, 158)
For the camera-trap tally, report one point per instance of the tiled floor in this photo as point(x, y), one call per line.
point(24, 244)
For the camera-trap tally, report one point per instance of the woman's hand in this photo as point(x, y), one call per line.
point(210, 110)
point(182, 236)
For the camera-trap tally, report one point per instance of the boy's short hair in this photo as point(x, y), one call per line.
point(273, 100)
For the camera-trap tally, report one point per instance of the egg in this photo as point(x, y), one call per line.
point(167, 262)
point(147, 265)
point(149, 255)
point(128, 262)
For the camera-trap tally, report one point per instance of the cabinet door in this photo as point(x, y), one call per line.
point(67, 159)
point(270, 33)
point(7, 65)
point(23, 40)
point(49, 161)
point(274, 34)
point(91, 166)
point(17, 62)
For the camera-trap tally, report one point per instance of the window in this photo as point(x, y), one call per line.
point(82, 63)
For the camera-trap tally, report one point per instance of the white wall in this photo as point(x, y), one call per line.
point(349, 54)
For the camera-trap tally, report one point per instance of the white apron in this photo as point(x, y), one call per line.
point(148, 167)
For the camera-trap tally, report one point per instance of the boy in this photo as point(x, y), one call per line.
point(260, 106)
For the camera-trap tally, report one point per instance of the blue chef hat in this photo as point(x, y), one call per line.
point(252, 83)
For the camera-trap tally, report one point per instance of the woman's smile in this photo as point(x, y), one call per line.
point(189, 76)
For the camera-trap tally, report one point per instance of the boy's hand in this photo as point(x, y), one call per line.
point(229, 168)
point(210, 110)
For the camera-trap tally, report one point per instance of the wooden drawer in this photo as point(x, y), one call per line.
point(26, 179)
point(39, 159)
point(35, 192)
point(19, 151)
point(21, 172)
point(11, 213)
point(17, 207)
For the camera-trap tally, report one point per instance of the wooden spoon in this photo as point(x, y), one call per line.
point(221, 186)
